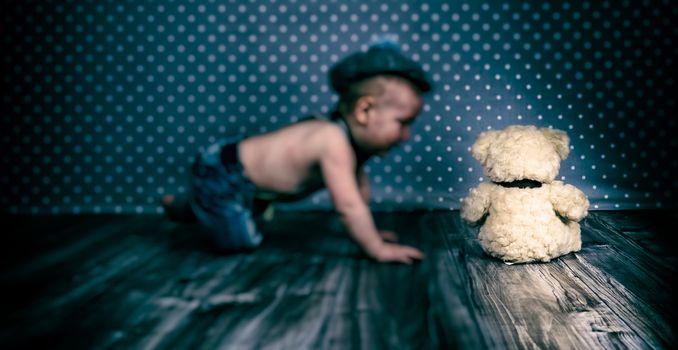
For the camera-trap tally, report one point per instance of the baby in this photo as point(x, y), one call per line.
point(235, 179)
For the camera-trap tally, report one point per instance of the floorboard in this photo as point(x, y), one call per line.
point(141, 281)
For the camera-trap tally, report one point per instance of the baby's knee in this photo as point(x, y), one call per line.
point(236, 234)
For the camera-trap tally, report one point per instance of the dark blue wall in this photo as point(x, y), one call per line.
point(105, 102)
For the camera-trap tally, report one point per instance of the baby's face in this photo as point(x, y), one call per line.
point(391, 117)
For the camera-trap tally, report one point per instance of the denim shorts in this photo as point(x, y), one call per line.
point(223, 197)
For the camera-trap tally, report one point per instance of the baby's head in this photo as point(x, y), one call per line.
point(380, 95)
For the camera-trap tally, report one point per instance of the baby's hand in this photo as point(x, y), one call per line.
point(390, 252)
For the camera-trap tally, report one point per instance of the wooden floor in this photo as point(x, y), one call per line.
point(143, 282)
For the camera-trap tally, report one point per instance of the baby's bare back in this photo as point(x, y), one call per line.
point(287, 161)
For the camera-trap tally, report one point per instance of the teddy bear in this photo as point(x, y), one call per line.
point(523, 213)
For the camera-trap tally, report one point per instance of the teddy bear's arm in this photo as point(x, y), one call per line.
point(569, 201)
point(476, 204)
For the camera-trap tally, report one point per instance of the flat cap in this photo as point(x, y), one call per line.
point(381, 58)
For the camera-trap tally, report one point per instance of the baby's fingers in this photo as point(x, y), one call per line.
point(407, 255)
point(414, 253)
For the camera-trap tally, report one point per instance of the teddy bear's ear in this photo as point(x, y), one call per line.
point(482, 144)
point(559, 139)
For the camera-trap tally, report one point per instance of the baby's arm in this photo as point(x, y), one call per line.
point(569, 201)
point(476, 204)
point(337, 162)
point(364, 186)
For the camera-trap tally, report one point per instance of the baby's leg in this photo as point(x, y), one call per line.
point(222, 198)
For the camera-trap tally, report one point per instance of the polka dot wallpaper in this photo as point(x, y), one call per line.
point(106, 102)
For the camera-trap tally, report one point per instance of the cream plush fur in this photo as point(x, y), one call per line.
point(525, 224)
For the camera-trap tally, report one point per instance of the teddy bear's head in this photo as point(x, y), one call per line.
point(521, 152)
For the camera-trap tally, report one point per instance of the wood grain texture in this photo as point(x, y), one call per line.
point(121, 282)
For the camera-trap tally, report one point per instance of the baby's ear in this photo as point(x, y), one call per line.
point(482, 144)
point(362, 108)
point(559, 140)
